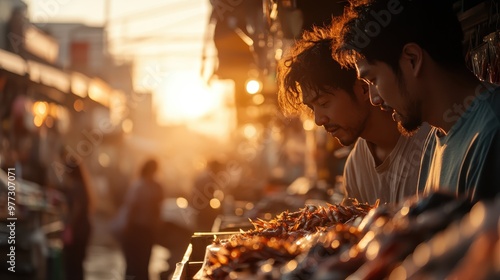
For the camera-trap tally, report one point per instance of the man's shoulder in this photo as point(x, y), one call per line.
point(424, 132)
point(359, 149)
point(491, 98)
point(420, 139)
point(484, 115)
point(357, 154)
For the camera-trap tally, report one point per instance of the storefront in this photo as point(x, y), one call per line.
point(46, 112)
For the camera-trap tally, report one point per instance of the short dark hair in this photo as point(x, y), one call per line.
point(309, 64)
point(377, 30)
point(149, 168)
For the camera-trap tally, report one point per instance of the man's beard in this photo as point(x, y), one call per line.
point(349, 142)
point(408, 126)
point(407, 129)
point(353, 132)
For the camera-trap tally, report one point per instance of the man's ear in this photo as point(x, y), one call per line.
point(411, 59)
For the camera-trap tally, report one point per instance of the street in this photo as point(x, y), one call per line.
point(105, 260)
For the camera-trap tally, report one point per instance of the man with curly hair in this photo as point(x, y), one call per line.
point(383, 164)
point(412, 52)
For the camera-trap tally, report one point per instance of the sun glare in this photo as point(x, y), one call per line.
point(183, 98)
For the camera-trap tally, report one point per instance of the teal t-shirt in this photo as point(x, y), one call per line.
point(466, 161)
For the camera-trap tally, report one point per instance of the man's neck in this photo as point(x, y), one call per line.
point(381, 135)
point(448, 97)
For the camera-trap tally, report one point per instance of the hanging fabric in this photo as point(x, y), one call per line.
point(485, 58)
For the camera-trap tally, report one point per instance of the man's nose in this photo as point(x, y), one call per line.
point(375, 98)
point(320, 119)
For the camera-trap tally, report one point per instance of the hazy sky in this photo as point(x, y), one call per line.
point(162, 37)
point(144, 28)
point(94, 11)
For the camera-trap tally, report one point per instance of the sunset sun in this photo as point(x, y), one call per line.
point(182, 98)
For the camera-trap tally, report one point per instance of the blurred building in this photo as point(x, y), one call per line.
point(56, 96)
point(82, 47)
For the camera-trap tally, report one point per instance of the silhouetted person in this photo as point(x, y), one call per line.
point(77, 230)
point(206, 183)
point(143, 200)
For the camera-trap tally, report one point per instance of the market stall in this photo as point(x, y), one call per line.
point(440, 236)
point(437, 237)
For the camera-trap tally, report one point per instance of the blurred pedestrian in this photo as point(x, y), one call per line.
point(77, 229)
point(206, 185)
point(143, 201)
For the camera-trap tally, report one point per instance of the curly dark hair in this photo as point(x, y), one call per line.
point(309, 64)
point(377, 30)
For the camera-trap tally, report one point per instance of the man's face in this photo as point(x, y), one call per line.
point(342, 115)
point(386, 91)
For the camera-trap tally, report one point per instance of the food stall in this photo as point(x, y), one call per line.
point(438, 237)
